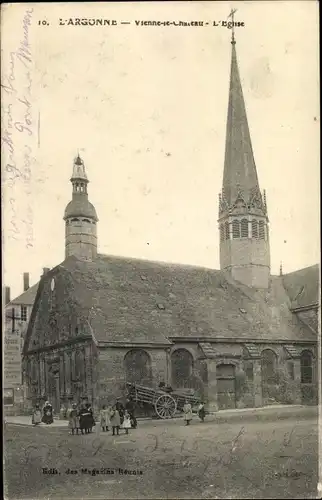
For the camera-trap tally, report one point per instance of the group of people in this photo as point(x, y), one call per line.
point(45, 415)
point(117, 417)
point(187, 412)
point(81, 419)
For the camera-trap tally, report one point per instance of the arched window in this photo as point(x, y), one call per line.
point(138, 367)
point(269, 366)
point(306, 367)
point(261, 230)
point(222, 232)
point(181, 367)
point(226, 231)
point(86, 220)
point(254, 228)
point(236, 229)
point(75, 220)
point(244, 228)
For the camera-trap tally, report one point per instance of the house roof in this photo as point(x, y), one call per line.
point(132, 300)
point(27, 298)
point(302, 286)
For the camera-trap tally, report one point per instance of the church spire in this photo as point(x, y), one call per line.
point(243, 221)
point(240, 175)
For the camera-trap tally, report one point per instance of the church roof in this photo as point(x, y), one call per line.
point(132, 300)
point(240, 175)
point(79, 206)
point(303, 286)
point(27, 298)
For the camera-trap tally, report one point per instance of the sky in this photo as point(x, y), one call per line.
point(146, 108)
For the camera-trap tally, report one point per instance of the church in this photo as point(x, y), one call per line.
point(238, 337)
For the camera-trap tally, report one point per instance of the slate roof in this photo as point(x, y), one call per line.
point(208, 349)
point(79, 206)
point(293, 351)
point(132, 300)
point(302, 286)
point(253, 350)
point(239, 168)
point(27, 298)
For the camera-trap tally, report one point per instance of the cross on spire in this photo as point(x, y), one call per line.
point(281, 268)
point(232, 14)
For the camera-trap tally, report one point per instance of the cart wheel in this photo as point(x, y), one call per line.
point(165, 406)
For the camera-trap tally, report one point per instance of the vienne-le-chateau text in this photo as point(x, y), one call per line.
point(239, 336)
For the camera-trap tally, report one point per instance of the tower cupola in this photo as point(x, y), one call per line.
point(80, 217)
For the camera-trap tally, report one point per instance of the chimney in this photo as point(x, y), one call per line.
point(25, 281)
point(45, 270)
point(7, 294)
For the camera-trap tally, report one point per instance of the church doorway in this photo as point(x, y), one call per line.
point(226, 386)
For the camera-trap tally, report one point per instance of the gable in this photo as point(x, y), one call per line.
point(56, 317)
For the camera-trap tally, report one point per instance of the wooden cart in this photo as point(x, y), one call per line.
point(166, 405)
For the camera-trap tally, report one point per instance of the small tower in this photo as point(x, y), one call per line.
point(80, 217)
point(243, 220)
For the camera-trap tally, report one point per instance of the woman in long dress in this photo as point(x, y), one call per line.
point(91, 420)
point(201, 411)
point(187, 412)
point(47, 413)
point(36, 416)
point(84, 415)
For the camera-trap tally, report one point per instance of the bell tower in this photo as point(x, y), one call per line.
point(80, 217)
point(243, 219)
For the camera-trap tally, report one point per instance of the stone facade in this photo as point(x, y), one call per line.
point(248, 387)
point(230, 336)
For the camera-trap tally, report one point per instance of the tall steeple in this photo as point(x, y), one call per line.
point(80, 217)
point(243, 221)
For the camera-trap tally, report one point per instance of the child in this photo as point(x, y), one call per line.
point(187, 410)
point(115, 420)
point(73, 418)
point(105, 418)
point(126, 422)
point(201, 411)
point(36, 416)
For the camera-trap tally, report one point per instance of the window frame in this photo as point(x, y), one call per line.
point(306, 369)
point(23, 313)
